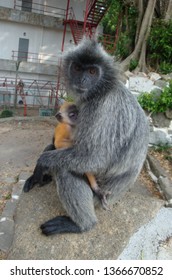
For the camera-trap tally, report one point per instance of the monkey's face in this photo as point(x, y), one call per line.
point(84, 77)
point(89, 70)
point(68, 113)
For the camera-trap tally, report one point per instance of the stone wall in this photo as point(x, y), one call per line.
point(160, 123)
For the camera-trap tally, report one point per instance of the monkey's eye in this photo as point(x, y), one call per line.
point(92, 70)
point(71, 114)
point(77, 68)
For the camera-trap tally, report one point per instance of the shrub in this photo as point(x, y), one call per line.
point(133, 64)
point(160, 46)
point(152, 102)
point(6, 113)
point(165, 67)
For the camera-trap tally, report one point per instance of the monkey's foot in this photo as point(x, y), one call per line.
point(60, 224)
point(102, 195)
point(29, 184)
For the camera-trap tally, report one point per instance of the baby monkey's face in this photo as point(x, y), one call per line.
point(67, 113)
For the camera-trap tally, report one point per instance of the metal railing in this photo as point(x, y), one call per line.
point(35, 57)
point(35, 7)
point(32, 92)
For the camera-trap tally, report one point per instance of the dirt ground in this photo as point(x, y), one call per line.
point(16, 139)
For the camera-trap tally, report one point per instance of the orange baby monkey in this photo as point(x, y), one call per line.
point(64, 137)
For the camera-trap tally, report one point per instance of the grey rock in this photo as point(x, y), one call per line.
point(166, 186)
point(155, 166)
point(159, 137)
point(161, 83)
point(167, 77)
point(154, 76)
point(168, 114)
point(157, 93)
point(160, 120)
point(140, 84)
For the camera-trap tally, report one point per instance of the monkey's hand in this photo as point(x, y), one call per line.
point(45, 164)
point(102, 195)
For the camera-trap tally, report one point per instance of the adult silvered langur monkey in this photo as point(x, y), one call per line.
point(110, 142)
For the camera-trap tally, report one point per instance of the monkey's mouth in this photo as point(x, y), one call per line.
point(79, 89)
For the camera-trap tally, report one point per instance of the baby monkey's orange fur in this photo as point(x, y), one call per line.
point(64, 136)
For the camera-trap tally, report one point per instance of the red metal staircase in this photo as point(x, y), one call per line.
point(95, 10)
point(76, 26)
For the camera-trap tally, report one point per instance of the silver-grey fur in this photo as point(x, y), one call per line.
point(111, 142)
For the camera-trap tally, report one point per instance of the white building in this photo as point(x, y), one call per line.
point(31, 32)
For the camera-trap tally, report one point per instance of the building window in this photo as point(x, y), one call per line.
point(23, 49)
point(27, 5)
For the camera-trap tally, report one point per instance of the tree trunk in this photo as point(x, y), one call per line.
point(168, 15)
point(126, 19)
point(140, 17)
point(142, 59)
point(143, 34)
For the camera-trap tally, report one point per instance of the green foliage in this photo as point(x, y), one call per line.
point(111, 17)
point(160, 46)
point(123, 46)
point(153, 102)
point(165, 67)
point(6, 113)
point(161, 148)
point(124, 18)
point(69, 98)
point(133, 64)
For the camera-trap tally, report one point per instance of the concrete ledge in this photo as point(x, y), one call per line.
point(6, 233)
point(149, 239)
point(31, 18)
point(29, 67)
point(7, 218)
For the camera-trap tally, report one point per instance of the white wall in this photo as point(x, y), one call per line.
point(7, 3)
point(41, 40)
point(44, 41)
point(78, 6)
